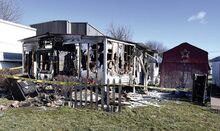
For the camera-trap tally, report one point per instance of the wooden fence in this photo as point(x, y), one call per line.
point(107, 98)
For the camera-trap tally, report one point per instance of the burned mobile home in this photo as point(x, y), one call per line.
point(98, 58)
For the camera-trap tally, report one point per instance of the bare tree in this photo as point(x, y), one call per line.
point(119, 32)
point(9, 11)
point(154, 45)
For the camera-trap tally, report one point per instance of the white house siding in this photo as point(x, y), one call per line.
point(10, 36)
point(9, 64)
point(11, 33)
point(216, 72)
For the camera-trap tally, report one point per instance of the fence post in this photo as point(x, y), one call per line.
point(85, 95)
point(96, 96)
point(119, 96)
point(107, 95)
point(72, 97)
point(80, 96)
point(70, 104)
point(134, 89)
point(91, 96)
point(75, 97)
point(113, 95)
point(102, 97)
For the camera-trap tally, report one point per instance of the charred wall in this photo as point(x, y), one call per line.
point(85, 57)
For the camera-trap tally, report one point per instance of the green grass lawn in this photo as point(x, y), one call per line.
point(170, 116)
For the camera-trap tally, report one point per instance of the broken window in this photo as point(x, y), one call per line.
point(28, 61)
point(94, 58)
point(84, 55)
point(69, 66)
point(100, 54)
point(111, 56)
point(109, 53)
point(157, 64)
point(46, 43)
point(58, 58)
point(44, 62)
point(67, 63)
point(128, 58)
point(120, 58)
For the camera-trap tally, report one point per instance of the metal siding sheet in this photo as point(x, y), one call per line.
point(66, 27)
point(216, 73)
point(78, 28)
point(57, 27)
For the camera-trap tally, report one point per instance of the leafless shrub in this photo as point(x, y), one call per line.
point(120, 32)
point(154, 45)
point(9, 11)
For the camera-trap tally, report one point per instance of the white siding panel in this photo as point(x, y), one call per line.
point(11, 33)
point(92, 31)
point(9, 64)
point(216, 73)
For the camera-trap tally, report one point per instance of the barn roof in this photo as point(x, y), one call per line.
point(187, 53)
point(185, 43)
point(215, 59)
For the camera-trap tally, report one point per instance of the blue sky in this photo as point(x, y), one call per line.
point(170, 22)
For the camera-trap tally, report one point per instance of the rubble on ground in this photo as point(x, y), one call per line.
point(28, 94)
point(131, 100)
point(137, 100)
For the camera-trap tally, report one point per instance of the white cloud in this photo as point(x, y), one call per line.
point(200, 16)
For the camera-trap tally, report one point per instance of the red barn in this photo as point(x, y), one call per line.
point(181, 63)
